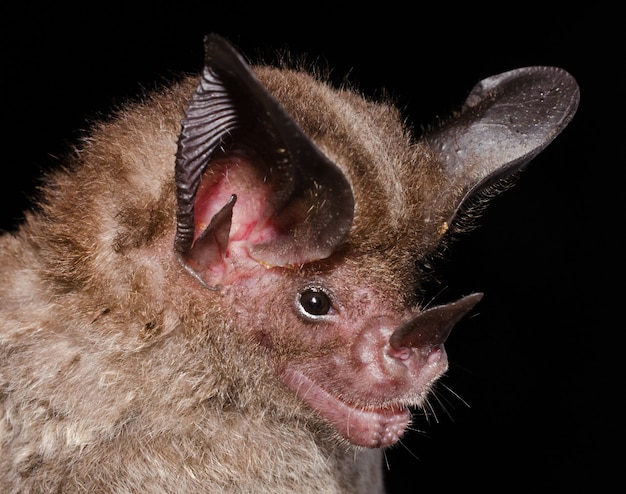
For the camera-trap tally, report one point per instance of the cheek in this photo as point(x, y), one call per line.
point(266, 314)
point(263, 310)
point(291, 338)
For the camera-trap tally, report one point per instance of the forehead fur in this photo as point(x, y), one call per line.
point(394, 178)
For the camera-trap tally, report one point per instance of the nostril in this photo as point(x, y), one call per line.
point(429, 354)
point(402, 353)
point(435, 354)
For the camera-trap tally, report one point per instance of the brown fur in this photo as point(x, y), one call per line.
point(117, 369)
point(121, 373)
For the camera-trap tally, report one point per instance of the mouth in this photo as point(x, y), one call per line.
point(370, 427)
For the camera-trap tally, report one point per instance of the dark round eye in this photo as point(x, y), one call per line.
point(314, 302)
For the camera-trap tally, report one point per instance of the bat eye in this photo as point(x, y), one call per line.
point(313, 303)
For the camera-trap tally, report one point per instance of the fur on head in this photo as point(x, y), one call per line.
point(220, 286)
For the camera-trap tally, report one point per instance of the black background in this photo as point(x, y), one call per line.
point(534, 366)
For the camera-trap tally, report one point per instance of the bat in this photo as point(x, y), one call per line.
point(222, 290)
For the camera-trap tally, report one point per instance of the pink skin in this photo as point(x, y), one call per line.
point(345, 368)
point(370, 428)
point(250, 219)
point(365, 388)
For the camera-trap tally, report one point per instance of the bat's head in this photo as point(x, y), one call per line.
point(308, 208)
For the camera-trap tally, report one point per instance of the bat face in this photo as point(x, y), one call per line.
point(245, 264)
point(305, 203)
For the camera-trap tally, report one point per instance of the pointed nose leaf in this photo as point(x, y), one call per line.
point(433, 326)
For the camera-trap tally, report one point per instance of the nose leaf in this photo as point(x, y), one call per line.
point(432, 326)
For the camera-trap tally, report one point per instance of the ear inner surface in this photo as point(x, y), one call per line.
point(312, 204)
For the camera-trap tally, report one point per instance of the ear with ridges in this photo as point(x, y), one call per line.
point(506, 120)
point(311, 207)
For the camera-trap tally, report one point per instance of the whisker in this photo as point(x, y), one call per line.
point(386, 459)
point(455, 394)
point(407, 449)
point(433, 298)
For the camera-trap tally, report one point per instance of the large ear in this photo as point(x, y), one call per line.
point(296, 204)
point(506, 121)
